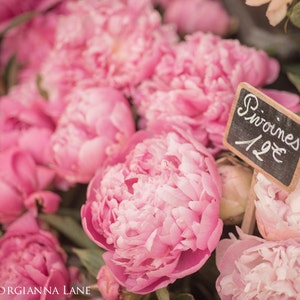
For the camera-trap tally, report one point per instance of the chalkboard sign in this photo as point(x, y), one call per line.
point(264, 134)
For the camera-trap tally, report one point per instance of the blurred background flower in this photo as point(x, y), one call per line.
point(96, 124)
point(277, 10)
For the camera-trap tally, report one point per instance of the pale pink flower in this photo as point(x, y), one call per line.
point(107, 284)
point(277, 211)
point(32, 258)
point(277, 9)
point(236, 181)
point(23, 186)
point(197, 15)
point(252, 268)
point(155, 209)
point(196, 84)
point(105, 43)
point(96, 124)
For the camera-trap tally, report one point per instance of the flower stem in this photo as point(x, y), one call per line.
point(162, 294)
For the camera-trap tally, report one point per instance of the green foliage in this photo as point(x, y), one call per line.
point(162, 294)
point(40, 88)
point(18, 20)
point(295, 15)
point(293, 74)
point(184, 296)
point(9, 76)
point(70, 228)
point(91, 259)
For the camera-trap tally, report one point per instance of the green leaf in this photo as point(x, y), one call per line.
point(162, 294)
point(184, 296)
point(295, 15)
point(1, 231)
point(293, 73)
point(18, 20)
point(295, 79)
point(69, 228)
point(10, 73)
point(130, 296)
point(43, 92)
point(91, 259)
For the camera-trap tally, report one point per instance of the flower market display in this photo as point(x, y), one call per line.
point(116, 182)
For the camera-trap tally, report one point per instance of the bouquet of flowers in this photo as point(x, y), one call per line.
point(114, 180)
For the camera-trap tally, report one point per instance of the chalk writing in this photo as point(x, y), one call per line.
point(264, 134)
point(248, 111)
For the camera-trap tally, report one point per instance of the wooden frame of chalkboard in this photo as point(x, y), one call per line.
point(264, 134)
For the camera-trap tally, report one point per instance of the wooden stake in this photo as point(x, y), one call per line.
point(248, 223)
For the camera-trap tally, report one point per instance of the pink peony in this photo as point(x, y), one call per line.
point(252, 268)
point(31, 259)
point(24, 120)
point(155, 209)
point(190, 16)
point(107, 43)
point(107, 285)
point(30, 42)
point(288, 99)
point(13, 8)
point(277, 211)
point(22, 186)
point(194, 85)
point(96, 124)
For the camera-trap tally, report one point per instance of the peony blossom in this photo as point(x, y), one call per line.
point(155, 210)
point(30, 42)
point(13, 8)
point(24, 121)
point(194, 86)
point(107, 285)
point(276, 11)
point(95, 125)
point(197, 15)
point(22, 186)
point(105, 43)
point(236, 181)
point(252, 268)
point(31, 258)
point(277, 211)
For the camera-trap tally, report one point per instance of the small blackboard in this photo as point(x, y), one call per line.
point(264, 134)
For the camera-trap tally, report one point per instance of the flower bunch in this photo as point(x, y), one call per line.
point(114, 181)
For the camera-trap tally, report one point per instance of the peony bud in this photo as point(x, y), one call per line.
point(107, 284)
point(236, 181)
